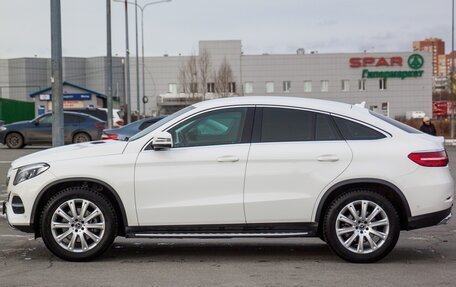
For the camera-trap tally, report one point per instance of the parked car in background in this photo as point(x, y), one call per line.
point(125, 132)
point(239, 167)
point(102, 114)
point(78, 128)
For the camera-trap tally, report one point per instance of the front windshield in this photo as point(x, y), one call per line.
point(161, 122)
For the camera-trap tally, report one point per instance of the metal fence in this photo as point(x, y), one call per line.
point(13, 111)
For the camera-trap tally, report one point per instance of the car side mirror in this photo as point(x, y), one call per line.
point(162, 140)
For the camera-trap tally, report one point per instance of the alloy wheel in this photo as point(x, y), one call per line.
point(362, 226)
point(78, 225)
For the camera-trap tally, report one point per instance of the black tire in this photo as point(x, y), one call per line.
point(81, 137)
point(99, 246)
point(363, 228)
point(14, 140)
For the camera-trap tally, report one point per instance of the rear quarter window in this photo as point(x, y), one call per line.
point(397, 124)
point(355, 131)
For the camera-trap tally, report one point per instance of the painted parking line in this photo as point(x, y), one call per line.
point(6, 161)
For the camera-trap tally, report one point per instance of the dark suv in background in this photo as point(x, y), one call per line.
point(78, 128)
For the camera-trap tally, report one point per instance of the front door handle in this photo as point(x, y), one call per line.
point(328, 158)
point(228, 158)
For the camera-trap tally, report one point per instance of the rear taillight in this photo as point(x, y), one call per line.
point(109, 136)
point(430, 159)
point(99, 126)
point(120, 123)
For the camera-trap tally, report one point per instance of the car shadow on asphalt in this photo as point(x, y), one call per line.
point(207, 251)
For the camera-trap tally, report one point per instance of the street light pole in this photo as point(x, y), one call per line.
point(56, 75)
point(109, 63)
point(127, 65)
point(138, 107)
point(143, 65)
point(452, 70)
point(142, 8)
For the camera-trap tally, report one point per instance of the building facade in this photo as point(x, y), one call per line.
point(391, 83)
point(436, 47)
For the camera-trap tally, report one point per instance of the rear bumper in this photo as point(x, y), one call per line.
point(430, 219)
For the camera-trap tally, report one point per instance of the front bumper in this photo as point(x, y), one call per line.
point(430, 219)
point(23, 228)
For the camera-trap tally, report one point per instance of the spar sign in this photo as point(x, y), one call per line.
point(414, 63)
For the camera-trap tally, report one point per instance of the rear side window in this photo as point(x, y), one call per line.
point(354, 131)
point(72, 119)
point(395, 123)
point(325, 129)
point(283, 125)
point(146, 124)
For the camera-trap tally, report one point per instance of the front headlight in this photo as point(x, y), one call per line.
point(2, 129)
point(29, 171)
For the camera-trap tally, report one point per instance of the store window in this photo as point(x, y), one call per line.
point(286, 86)
point(324, 85)
point(307, 86)
point(211, 87)
point(248, 87)
point(345, 85)
point(382, 84)
point(269, 87)
point(362, 85)
point(232, 87)
point(172, 88)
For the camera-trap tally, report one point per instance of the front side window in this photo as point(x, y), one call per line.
point(211, 128)
point(47, 119)
point(285, 125)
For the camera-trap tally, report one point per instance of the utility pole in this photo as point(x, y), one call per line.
point(109, 62)
point(138, 107)
point(127, 65)
point(56, 75)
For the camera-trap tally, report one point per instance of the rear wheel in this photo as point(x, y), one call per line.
point(361, 226)
point(78, 224)
point(14, 140)
point(81, 137)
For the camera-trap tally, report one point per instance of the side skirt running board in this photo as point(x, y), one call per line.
point(278, 230)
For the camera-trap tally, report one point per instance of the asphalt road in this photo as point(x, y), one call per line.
point(425, 257)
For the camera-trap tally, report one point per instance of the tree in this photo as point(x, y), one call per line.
point(223, 79)
point(204, 66)
point(194, 74)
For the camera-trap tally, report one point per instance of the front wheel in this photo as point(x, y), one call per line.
point(14, 140)
point(361, 226)
point(78, 224)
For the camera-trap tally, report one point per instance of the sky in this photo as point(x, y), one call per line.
point(264, 26)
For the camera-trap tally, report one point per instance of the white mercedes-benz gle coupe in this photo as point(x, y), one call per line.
point(239, 167)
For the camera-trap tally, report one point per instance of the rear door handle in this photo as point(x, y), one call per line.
point(328, 158)
point(228, 158)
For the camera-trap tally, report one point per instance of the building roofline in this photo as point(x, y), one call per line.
point(65, 83)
